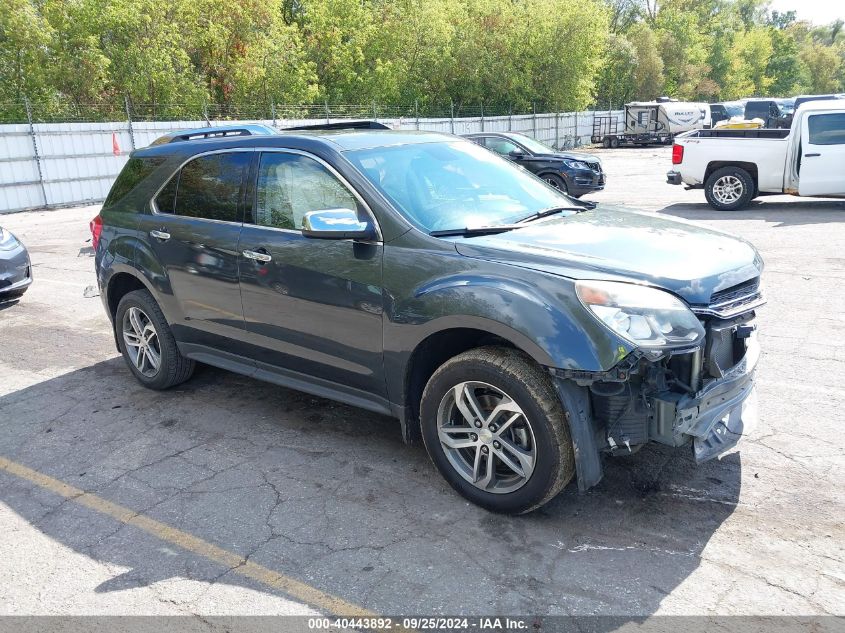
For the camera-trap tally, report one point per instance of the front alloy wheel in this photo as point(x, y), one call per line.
point(495, 427)
point(486, 437)
point(556, 182)
point(141, 339)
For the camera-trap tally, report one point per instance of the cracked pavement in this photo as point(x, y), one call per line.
point(328, 494)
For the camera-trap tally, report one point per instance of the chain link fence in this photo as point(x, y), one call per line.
point(64, 154)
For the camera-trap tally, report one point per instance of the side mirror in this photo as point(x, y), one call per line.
point(336, 224)
point(516, 154)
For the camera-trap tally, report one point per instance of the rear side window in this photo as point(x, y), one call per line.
point(827, 129)
point(500, 145)
point(134, 172)
point(166, 199)
point(207, 187)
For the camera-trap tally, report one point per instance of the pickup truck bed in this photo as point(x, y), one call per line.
point(740, 133)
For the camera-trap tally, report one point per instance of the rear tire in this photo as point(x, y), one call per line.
point(530, 430)
point(147, 343)
point(606, 142)
point(614, 142)
point(729, 189)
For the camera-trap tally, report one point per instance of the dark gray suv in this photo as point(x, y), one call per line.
point(519, 335)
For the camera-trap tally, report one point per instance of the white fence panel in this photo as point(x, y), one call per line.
point(77, 163)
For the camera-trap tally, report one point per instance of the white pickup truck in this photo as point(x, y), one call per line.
point(734, 166)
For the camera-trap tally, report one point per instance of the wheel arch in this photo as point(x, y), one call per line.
point(715, 165)
point(451, 338)
point(119, 285)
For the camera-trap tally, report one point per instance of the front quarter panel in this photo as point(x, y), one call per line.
point(429, 290)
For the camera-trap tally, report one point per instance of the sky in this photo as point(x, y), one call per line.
point(816, 11)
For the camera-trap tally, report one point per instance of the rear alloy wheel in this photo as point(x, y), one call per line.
point(553, 180)
point(147, 344)
point(729, 189)
point(141, 339)
point(495, 428)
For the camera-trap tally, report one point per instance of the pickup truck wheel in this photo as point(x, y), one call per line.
point(496, 430)
point(729, 189)
point(147, 344)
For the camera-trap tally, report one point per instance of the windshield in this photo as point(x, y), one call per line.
point(532, 145)
point(454, 185)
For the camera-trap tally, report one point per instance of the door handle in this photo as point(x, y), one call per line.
point(259, 257)
point(160, 235)
point(811, 155)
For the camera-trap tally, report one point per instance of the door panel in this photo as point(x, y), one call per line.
point(194, 238)
point(822, 155)
point(316, 306)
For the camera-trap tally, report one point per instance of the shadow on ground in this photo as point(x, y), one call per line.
point(789, 213)
point(328, 494)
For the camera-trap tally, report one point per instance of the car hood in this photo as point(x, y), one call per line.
point(689, 260)
point(572, 156)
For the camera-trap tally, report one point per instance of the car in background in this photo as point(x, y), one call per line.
point(573, 173)
point(15, 267)
point(725, 111)
point(775, 113)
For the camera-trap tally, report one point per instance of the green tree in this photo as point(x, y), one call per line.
point(822, 68)
point(751, 53)
point(24, 59)
point(616, 83)
point(649, 80)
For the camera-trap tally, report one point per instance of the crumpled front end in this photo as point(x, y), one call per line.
point(717, 404)
point(702, 396)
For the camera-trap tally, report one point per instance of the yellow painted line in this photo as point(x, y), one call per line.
point(238, 564)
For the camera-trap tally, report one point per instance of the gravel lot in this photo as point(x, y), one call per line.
point(328, 495)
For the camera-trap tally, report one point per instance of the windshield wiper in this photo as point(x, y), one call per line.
point(476, 230)
point(547, 212)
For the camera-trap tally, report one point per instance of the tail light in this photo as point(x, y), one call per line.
point(96, 230)
point(677, 154)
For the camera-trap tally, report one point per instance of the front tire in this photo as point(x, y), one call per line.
point(147, 344)
point(496, 430)
point(553, 180)
point(729, 189)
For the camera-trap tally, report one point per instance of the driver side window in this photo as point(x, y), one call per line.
point(501, 146)
point(291, 185)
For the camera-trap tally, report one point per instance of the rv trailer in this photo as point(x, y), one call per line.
point(650, 122)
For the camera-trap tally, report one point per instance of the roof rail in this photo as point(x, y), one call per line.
point(340, 125)
point(202, 133)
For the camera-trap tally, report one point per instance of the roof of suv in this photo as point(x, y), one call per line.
point(357, 136)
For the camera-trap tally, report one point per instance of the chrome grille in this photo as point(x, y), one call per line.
point(732, 301)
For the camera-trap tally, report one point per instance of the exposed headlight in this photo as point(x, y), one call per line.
point(7, 240)
point(645, 316)
point(576, 164)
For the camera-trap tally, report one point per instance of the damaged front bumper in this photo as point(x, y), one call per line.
point(716, 416)
point(640, 401)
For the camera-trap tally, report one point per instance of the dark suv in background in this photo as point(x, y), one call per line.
point(420, 276)
point(573, 173)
